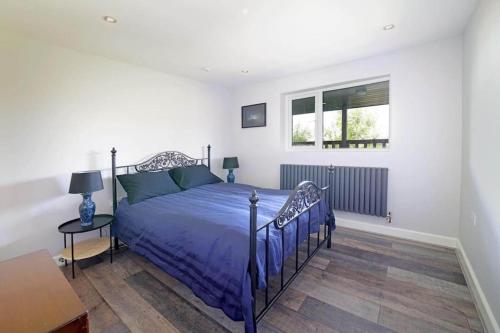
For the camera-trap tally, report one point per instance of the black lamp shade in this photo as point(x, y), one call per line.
point(85, 182)
point(230, 163)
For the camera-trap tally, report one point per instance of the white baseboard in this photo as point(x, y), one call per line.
point(387, 230)
point(483, 307)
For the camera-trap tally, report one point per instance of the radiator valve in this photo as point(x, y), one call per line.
point(388, 218)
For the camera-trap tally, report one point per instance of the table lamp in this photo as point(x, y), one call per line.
point(230, 163)
point(85, 183)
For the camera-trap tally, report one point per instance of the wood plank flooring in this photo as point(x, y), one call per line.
point(365, 283)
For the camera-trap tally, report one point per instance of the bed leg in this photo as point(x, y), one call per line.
point(331, 220)
point(330, 224)
point(117, 246)
point(254, 198)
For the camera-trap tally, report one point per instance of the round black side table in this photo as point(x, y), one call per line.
point(90, 247)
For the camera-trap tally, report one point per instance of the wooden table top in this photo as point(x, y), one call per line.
point(35, 296)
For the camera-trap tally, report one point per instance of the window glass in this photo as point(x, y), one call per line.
point(304, 121)
point(356, 117)
point(368, 123)
point(332, 128)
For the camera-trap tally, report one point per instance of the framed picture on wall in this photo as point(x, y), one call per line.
point(253, 115)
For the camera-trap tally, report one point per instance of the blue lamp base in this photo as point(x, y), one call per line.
point(87, 210)
point(230, 176)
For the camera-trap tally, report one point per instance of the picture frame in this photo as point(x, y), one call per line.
point(253, 115)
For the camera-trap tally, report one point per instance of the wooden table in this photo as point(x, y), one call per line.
point(36, 297)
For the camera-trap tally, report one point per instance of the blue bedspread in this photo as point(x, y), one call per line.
point(201, 237)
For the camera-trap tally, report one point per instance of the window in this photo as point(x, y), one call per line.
point(349, 117)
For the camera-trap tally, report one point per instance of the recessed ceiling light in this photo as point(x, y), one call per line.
point(389, 27)
point(206, 69)
point(110, 19)
point(244, 71)
point(244, 11)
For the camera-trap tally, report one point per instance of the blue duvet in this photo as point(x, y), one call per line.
point(201, 237)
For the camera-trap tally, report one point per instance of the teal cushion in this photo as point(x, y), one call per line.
point(144, 185)
point(188, 177)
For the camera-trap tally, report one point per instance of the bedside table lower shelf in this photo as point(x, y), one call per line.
point(87, 248)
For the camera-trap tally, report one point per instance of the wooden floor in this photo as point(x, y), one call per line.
point(365, 283)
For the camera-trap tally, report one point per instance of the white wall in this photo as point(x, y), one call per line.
point(424, 158)
point(61, 111)
point(481, 157)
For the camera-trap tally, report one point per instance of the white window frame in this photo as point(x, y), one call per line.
point(318, 105)
point(317, 111)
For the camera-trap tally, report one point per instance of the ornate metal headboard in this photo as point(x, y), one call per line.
point(166, 160)
point(162, 161)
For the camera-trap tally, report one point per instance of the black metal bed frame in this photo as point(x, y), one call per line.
point(303, 198)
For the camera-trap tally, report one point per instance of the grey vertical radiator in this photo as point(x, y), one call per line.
point(361, 190)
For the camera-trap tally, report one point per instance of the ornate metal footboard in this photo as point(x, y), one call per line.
point(303, 198)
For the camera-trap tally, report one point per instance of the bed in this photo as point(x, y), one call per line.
point(224, 241)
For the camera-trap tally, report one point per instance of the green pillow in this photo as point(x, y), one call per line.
point(144, 185)
point(188, 177)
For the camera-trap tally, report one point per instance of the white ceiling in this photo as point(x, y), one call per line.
point(269, 38)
